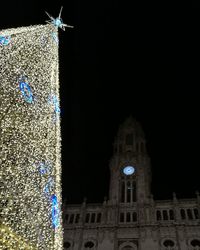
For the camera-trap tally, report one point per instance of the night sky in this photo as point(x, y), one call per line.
point(116, 62)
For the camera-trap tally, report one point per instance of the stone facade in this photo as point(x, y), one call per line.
point(131, 219)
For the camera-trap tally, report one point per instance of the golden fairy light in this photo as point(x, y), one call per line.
point(30, 140)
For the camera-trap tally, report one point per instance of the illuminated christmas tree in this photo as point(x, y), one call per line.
point(30, 141)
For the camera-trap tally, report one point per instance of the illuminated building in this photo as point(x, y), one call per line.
point(131, 219)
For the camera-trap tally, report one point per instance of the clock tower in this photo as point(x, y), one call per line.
point(130, 166)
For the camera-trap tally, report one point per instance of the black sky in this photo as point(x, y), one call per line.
point(120, 61)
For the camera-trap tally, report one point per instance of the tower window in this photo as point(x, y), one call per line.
point(128, 191)
point(123, 191)
point(129, 139)
point(142, 147)
point(133, 191)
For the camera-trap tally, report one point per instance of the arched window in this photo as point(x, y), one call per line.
point(89, 245)
point(183, 215)
point(127, 248)
point(195, 243)
point(168, 243)
point(67, 245)
point(158, 215)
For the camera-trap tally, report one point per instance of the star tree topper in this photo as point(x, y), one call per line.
point(57, 22)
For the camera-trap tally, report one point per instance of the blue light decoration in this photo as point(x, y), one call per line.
point(55, 37)
point(128, 170)
point(58, 22)
point(25, 89)
point(49, 186)
point(5, 40)
point(53, 100)
point(56, 104)
point(44, 169)
point(54, 211)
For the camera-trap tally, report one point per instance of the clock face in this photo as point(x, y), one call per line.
point(128, 170)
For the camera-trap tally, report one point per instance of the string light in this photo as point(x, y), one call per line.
point(30, 141)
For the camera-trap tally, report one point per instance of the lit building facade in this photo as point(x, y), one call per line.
point(30, 166)
point(131, 219)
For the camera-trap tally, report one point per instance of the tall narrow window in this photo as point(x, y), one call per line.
point(71, 219)
point(123, 191)
point(129, 139)
point(128, 192)
point(93, 218)
point(133, 191)
point(87, 218)
point(171, 214)
point(128, 217)
point(77, 218)
point(99, 218)
point(183, 215)
point(165, 215)
point(189, 214)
